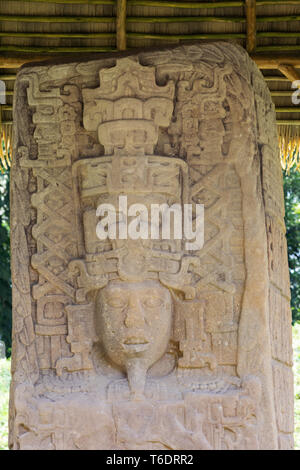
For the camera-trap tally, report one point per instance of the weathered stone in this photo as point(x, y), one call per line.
point(143, 344)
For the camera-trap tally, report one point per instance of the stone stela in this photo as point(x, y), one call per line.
point(141, 344)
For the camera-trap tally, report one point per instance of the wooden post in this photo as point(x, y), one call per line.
point(251, 25)
point(121, 25)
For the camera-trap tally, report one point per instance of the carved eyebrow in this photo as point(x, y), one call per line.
point(115, 292)
point(155, 291)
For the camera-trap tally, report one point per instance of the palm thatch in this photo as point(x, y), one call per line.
point(5, 146)
point(289, 144)
point(268, 29)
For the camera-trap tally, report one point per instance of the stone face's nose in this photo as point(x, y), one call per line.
point(134, 316)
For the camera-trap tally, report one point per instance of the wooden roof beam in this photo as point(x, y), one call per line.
point(146, 19)
point(263, 61)
point(289, 71)
point(251, 25)
point(274, 60)
point(16, 62)
point(121, 25)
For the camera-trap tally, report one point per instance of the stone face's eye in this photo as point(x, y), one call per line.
point(152, 302)
point(117, 302)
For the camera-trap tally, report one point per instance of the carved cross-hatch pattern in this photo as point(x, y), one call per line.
point(198, 134)
point(54, 230)
point(209, 190)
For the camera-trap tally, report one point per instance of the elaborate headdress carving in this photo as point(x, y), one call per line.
point(127, 111)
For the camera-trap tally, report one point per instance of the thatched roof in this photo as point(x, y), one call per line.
point(268, 29)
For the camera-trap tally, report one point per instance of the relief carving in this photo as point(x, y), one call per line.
point(142, 343)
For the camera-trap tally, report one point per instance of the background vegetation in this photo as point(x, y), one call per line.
point(5, 282)
point(4, 395)
point(296, 346)
point(292, 220)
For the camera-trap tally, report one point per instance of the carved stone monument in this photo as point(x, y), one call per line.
point(123, 343)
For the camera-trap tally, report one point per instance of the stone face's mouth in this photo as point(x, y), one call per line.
point(135, 340)
point(135, 345)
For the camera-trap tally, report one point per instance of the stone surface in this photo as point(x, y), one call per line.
point(141, 344)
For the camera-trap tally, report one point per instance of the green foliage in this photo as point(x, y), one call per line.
point(5, 281)
point(4, 391)
point(292, 220)
point(296, 346)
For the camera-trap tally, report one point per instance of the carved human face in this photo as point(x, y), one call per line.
point(133, 320)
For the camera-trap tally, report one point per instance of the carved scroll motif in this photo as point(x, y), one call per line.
point(55, 119)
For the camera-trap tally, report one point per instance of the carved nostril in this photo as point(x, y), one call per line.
point(133, 317)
